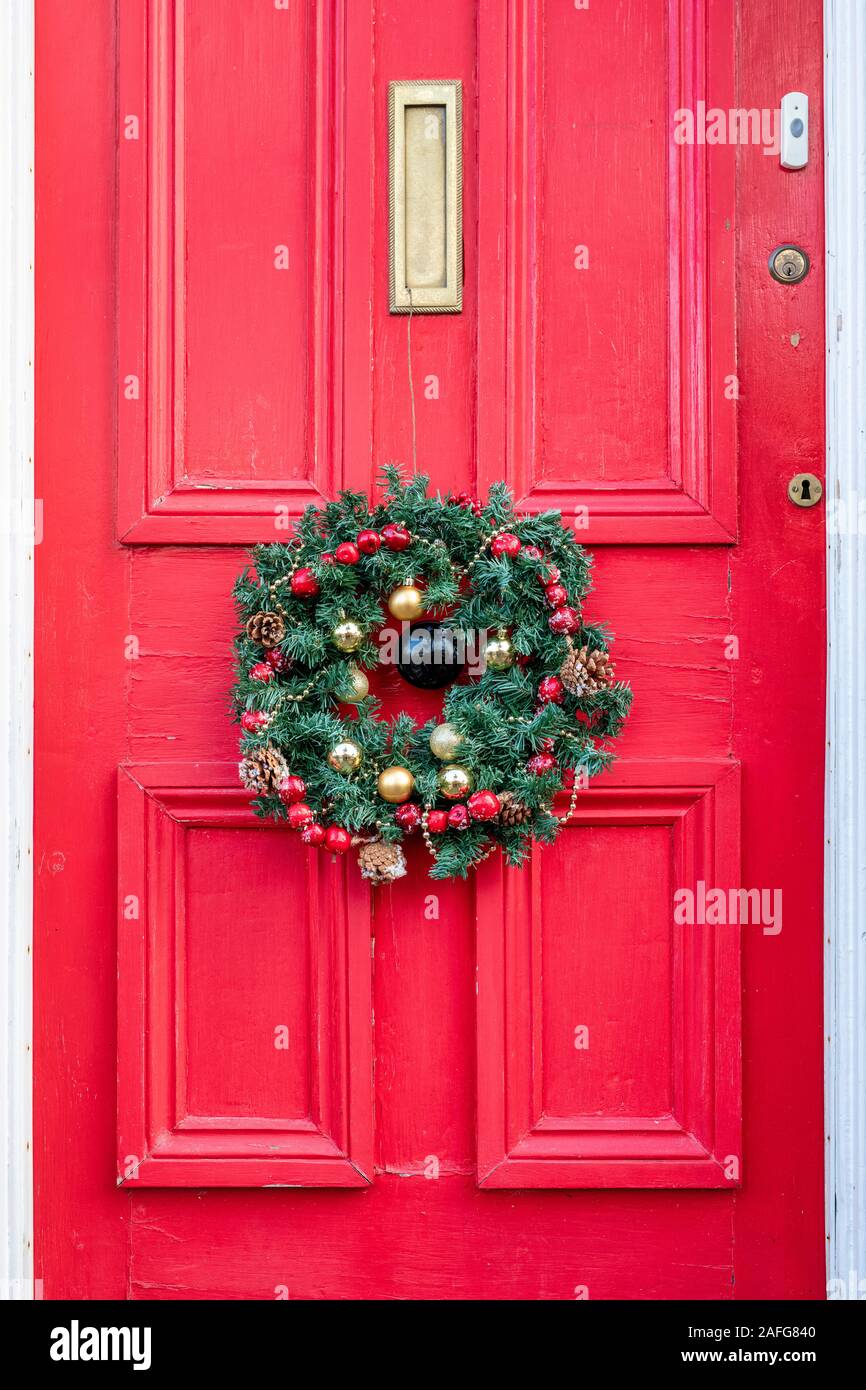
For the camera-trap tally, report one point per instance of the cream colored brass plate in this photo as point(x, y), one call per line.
point(425, 129)
point(805, 490)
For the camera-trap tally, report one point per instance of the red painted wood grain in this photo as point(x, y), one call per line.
point(604, 389)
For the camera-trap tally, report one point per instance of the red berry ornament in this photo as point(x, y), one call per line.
point(337, 840)
point(564, 620)
point(552, 576)
point(533, 552)
point(347, 553)
point(465, 499)
point(541, 763)
point(277, 658)
point(408, 817)
point(254, 719)
point(304, 583)
point(369, 542)
point(483, 805)
point(292, 790)
point(556, 595)
point(313, 834)
point(261, 672)
point(458, 818)
point(437, 822)
point(551, 690)
point(326, 558)
point(395, 536)
point(506, 544)
point(299, 815)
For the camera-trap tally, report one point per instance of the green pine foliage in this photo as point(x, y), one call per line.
point(498, 714)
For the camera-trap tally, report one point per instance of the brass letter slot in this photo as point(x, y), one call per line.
point(425, 122)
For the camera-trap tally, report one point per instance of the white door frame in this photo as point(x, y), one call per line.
point(845, 492)
point(17, 538)
point(845, 899)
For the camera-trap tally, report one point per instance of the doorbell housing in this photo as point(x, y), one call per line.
point(795, 130)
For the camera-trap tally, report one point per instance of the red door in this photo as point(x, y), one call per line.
point(548, 1083)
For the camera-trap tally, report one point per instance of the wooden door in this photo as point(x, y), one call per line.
point(543, 1084)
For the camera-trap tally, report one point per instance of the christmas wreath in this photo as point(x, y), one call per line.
point(487, 602)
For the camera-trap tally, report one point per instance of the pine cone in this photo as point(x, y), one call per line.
point(263, 770)
point(268, 629)
point(512, 811)
point(585, 672)
point(380, 862)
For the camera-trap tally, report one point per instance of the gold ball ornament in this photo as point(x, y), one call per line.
point(499, 653)
point(455, 781)
point(347, 636)
point(359, 686)
point(445, 742)
point(406, 603)
point(345, 757)
point(395, 784)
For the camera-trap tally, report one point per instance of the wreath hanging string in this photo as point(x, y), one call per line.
point(487, 600)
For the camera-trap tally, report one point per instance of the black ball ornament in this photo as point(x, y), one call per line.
point(431, 656)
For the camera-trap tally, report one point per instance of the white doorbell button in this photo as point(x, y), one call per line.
point(795, 130)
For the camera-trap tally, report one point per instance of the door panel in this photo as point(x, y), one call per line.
point(244, 349)
point(240, 268)
point(609, 1035)
point(616, 291)
point(243, 1035)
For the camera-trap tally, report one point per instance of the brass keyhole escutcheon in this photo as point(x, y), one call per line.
point(805, 490)
point(789, 264)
